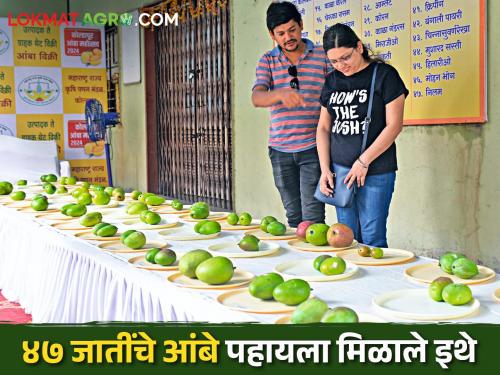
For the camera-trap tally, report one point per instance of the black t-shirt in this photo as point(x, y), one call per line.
point(346, 98)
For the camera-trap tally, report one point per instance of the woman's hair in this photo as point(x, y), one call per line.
point(340, 35)
point(279, 13)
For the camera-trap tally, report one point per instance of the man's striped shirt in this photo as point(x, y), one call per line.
point(294, 129)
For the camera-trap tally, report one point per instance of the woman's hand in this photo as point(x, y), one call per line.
point(357, 175)
point(326, 183)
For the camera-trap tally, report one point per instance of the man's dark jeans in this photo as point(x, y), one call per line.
point(296, 176)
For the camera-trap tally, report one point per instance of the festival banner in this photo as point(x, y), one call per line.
point(7, 90)
point(6, 48)
point(42, 128)
point(8, 125)
point(36, 46)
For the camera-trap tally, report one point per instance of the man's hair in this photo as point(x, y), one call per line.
point(281, 12)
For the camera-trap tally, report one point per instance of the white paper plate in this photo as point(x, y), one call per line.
point(391, 256)
point(184, 233)
point(242, 300)
point(239, 279)
point(305, 246)
point(304, 269)
point(141, 262)
point(428, 272)
point(232, 250)
point(415, 304)
point(261, 235)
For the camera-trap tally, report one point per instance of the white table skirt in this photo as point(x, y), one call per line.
point(59, 278)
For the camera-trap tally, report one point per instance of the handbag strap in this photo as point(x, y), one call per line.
point(368, 119)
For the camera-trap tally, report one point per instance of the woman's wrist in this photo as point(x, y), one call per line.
point(363, 164)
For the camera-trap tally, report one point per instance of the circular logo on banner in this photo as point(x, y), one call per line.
point(38, 90)
point(4, 42)
point(5, 130)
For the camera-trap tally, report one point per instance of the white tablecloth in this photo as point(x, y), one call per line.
point(59, 278)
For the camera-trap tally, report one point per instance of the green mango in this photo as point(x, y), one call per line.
point(154, 200)
point(84, 198)
point(263, 286)
point(105, 230)
point(232, 218)
point(39, 204)
point(71, 180)
point(91, 219)
point(318, 260)
point(49, 188)
point(79, 191)
point(85, 185)
point(447, 259)
point(215, 271)
point(118, 194)
point(265, 222)
point(210, 227)
point(165, 257)
point(436, 288)
point(135, 195)
point(276, 228)
point(316, 234)
point(292, 292)
point(149, 217)
point(340, 314)
point(22, 183)
point(309, 311)
point(134, 240)
point(50, 178)
point(245, 219)
point(101, 198)
point(199, 224)
point(63, 180)
point(333, 266)
point(17, 195)
point(76, 210)
point(143, 196)
point(191, 260)
point(43, 177)
point(464, 268)
point(249, 243)
point(61, 190)
point(177, 205)
point(150, 255)
point(201, 204)
point(136, 208)
point(457, 294)
point(65, 208)
point(199, 212)
point(7, 186)
point(108, 190)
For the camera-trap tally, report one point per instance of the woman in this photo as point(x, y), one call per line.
point(344, 101)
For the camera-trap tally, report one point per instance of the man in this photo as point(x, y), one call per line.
point(289, 79)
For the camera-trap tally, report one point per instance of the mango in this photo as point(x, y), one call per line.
point(245, 219)
point(136, 208)
point(190, 261)
point(457, 294)
point(447, 259)
point(61, 190)
point(133, 239)
point(436, 288)
point(135, 195)
point(49, 188)
point(17, 195)
point(22, 183)
point(318, 260)
point(249, 243)
point(232, 219)
point(210, 227)
point(276, 228)
point(340, 314)
point(84, 198)
point(215, 271)
point(265, 222)
point(165, 257)
point(118, 194)
point(154, 200)
point(75, 210)
point(199, 212)
point(199, 224)
point(177, 205)
point(464, 268)
point(39, 204)
point(149, 217)
point(105, 230)
point(50, 178)
point(91, 219)
point(376, 252)
point(309, 311)
point(6, 188)
point(143, 196)
point(150, 255)
point(71, 180)
point(332, 266)
point(263, 286)
point(101, 198)
point(292, 292)
point(316, 234)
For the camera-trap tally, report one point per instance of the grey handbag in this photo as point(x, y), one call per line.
point(343, 196)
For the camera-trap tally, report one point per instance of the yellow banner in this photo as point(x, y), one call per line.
point(42, 128)
point(7, 90)
point(82, 84)
point(91, 170)
point(36, 46)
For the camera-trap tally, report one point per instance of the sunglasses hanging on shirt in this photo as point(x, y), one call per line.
point(294, 83)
